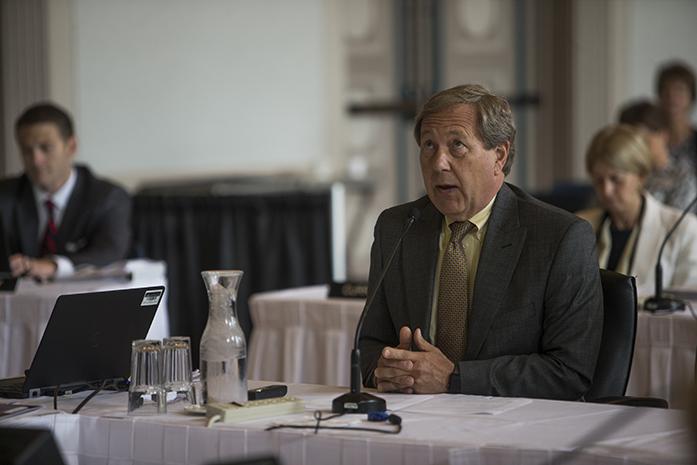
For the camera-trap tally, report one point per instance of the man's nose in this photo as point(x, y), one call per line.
point(37, 156)
point(441, 159)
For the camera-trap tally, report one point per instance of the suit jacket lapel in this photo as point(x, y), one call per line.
point(498, 259)
point(419, 258)
point(27, 220)
point(70, 218)
point(651, 234)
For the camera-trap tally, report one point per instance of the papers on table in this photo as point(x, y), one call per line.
point(88, 272)
point(682, 293)
point(460, 404)
point(442, 404)
point(10, 410)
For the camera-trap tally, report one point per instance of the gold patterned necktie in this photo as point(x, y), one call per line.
point(453, 295)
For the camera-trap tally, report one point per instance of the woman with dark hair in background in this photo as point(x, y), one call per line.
point(675, 87)
point(672, 181)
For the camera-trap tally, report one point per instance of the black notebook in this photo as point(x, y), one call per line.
point(87, 340)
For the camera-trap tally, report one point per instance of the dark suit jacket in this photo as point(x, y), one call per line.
point(536, 318)
point(96, 223)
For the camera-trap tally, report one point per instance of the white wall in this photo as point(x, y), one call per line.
point(659, 31)
point(591, 75)
point(179, 88)
point(618, 46)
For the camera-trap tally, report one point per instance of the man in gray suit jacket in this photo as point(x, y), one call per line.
point(528, 319)
point(58, 215)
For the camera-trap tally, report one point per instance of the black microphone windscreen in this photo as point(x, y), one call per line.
point(415, 213)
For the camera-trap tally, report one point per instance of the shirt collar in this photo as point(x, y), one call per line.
point(480, 218)
point(61, 196)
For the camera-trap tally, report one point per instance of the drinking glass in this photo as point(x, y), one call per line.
point(146, 394)
point(196, 389)
point(176, 365)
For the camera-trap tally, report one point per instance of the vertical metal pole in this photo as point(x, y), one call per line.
point(401, 16)
point(338, 209)
point(520, 72)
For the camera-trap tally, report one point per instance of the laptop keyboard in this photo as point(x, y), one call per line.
point(12, 388)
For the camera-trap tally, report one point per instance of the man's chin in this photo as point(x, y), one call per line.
point(42, 184)
point(448, 209)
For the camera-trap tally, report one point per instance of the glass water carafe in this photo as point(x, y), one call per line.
point(223, 353)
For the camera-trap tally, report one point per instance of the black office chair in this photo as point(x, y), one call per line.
point(571, 196)
point(617, 344)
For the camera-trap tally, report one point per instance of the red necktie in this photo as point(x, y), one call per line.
point(48, 245)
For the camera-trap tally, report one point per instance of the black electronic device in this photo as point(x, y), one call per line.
point(660, 303)
point(28, 446)
point(348, 290)
point(356, 401)
point(7, 281)
point(267, 392)
point(87, 340)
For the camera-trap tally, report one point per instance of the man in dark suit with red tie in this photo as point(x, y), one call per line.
point(58, 215)
point(491, 292)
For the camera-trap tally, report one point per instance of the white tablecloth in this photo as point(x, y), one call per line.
point(664, 357)
point(301, 336)
point(441, 429)
point(25, 312)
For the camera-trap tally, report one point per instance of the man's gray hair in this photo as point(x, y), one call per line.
point(494, 118)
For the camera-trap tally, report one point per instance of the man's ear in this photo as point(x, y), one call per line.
point(71, 144)
point(501, 155)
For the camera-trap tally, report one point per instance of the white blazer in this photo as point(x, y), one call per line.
point(679, 260)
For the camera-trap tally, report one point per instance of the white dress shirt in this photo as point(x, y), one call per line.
point(64, 266)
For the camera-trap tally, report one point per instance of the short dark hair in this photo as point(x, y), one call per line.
point(676, 71)
point(46, 112)
point(644, 113)
point(494, 118)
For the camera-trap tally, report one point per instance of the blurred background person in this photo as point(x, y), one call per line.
point(672, 180)
point(630, 223)
point(57, 215)
point(675, 87)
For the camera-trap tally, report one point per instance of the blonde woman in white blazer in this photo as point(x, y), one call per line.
point(630, 224)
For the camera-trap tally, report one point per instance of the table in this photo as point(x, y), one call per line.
point(437, 429)
point(664, 357)
point(301, 336)
point(24, 313)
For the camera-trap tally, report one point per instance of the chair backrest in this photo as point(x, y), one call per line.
point(619, 331)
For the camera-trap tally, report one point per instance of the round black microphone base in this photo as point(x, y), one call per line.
point(358, 402)
point(663, 305)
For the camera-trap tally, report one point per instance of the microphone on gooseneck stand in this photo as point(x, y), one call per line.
point(356, 401)
point(659, 303)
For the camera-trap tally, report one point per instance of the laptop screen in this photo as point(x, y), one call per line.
point(88, 337)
